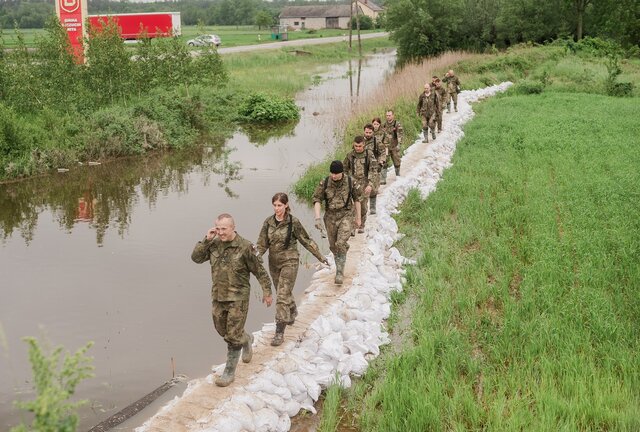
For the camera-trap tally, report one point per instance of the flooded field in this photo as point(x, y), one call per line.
point(101, 253)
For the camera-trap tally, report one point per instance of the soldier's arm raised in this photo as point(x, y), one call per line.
point(200, 252)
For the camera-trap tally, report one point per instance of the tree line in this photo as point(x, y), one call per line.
point(428, 27)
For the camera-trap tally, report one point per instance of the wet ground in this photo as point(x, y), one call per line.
point(101, 253)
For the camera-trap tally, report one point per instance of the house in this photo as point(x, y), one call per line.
point(316, 17)
point(370, 9)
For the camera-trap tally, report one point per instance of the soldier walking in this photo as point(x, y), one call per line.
point(378, 133)
point(280, 234)
point(380, 153)
point(340, 195)
point(394, 133)
point(441, 93)
point(453, 88)
point(362, 165)
point(232, 259)
point(427, 109)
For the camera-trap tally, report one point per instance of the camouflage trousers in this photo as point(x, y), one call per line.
point(453, 97)
point(229, 318)
point(338, 224)
point(396, 155)
point(364, 209)
point(283, 274)
point(439, 120)
point(429, 121)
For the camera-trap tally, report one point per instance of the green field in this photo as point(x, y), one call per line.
point(230, 35)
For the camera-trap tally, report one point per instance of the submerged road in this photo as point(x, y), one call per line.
point(300, 42)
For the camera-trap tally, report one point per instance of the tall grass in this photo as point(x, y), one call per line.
point(527, 277)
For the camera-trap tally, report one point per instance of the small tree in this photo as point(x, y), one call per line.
point(263, 19)
point(54, 385)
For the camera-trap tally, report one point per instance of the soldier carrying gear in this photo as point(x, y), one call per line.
point(394, 133)
point(232, 260)
point(280, 234)
point(427, 109)
point(379, 153)
point(341, 195)
point(453, 88)
point(362, 165)
point(379, 134)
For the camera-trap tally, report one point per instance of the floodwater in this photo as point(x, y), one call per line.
point(102, 253)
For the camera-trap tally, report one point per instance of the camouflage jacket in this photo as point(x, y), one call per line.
point(377, 145)
point(428, 105)
point(379, 135)
point(453, 83)
point(281, 238)
point(442, 94)
point(363, 168)
point(337, 195)
point(231, 264)
point(393, 133)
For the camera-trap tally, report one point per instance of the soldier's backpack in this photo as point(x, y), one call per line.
point(324, 191)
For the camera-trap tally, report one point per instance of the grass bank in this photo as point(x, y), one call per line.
point(534, 68)
point(523, 305)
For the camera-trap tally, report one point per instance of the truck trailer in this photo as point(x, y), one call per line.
point(134, 26)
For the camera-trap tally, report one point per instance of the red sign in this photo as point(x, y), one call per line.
point(72, 14)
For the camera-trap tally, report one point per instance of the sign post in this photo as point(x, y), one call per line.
point(72, 15)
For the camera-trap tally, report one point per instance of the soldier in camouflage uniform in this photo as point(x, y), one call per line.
point(280, 234)
point(341, 194)
point(232, 259)
point(427, 109)
point(443, 97)
point(393, 133)
point(378, 132)
point(453, 88)
point(380, 153)
point(362, 165)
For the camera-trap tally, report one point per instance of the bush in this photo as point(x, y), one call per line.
point(526, 87)
point(366, 23)
point(620, 89)
point(260, 107)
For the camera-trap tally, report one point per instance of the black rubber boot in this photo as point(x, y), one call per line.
point(278, 338)
point(397, 171)
point(425, 134)
point(229, 373)
point(383, 176)
point(372, 205)
point(433, 134)
point(247, 350)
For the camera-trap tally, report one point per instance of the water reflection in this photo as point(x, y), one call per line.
point(261, 134)
point(104, 196)
point(354, 97)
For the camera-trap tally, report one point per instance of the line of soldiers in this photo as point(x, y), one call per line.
point(347, 193)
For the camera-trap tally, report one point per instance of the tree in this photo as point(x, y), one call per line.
point(263, 19)
point(580, 6)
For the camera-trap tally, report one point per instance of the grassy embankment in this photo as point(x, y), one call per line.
point(522, 310)
point(552, 66)
point(173, 118)
point(231, 36)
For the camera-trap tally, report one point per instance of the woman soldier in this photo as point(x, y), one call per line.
point(379, 135)
point(280, 234)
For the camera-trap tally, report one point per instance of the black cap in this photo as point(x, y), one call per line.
point(336, 167)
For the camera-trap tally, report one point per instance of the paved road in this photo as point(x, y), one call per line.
point(300, 42)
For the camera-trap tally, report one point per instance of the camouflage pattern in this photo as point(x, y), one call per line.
point(453, 87)
point(232, 263)
point(379, 135)
point(443, 97)
point(427, 109)
point(394, 134)
point(284, 261)
point(355, 164)
point(339, 207)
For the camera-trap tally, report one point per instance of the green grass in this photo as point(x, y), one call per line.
point(331, 409)
point(527, 277)
point(231, 36)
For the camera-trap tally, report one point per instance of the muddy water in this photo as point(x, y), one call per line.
point(101, 253)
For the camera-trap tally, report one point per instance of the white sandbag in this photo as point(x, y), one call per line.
point(313, 388)
point(266, 420)
point(242, 413)
point(276, 378)
point(308, 405)
point(272, 402)
point(252, 401)
point(331, 346)
point(294, 383)
point(227, 424)
point(292, 407)
point(284, 423)
point(285, 365)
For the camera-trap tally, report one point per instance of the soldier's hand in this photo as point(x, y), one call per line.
point(267, 300)
point(211, 233)
point(319, 225)
point(358, 222)
point(367, 190)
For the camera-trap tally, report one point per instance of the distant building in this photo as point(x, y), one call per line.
point(370, 9)
point(316, 17)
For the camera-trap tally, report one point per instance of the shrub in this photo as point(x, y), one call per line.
point(619, 89)
point(260, 107)
point(526, 87)
point(366, 23)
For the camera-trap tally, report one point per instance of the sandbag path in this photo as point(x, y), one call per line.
point(338, 329)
